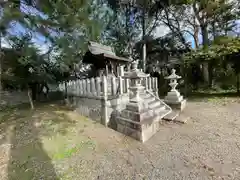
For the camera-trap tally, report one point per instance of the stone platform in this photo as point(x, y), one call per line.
point(142, 123)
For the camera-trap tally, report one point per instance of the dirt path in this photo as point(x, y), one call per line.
point(207, 147)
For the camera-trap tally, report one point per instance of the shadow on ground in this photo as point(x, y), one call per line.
point(27, 159)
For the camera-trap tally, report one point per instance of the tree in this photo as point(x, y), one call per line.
point(146, 16)
point(66, 26)
point(223, 50)
point(210, 18)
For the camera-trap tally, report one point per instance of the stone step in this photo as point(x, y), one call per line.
point(157, 110)
point(157, 116)
point(145, 96)
point(134, 115)
point(172, 116)
point(182, 119)
point(154, 104)
point(176, 116)
point(163, 113)
point(149, 99)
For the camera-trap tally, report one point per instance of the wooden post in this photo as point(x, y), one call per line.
point(81, 87)
point(70, 87)
point(78, 87)
point(113, 85)
point(105, 118)
point(98, 86)
point(146, 83)
point(127, 85)
point(88, 87)
point(120, 85)
point(153, 84)
point(84, 86)
point(156, 85)
point(150, 84)
point(121, 70)
point(106, 70)
point(93, 87)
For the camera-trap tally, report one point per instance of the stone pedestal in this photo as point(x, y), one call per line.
point(177, 105)
point(174, 98)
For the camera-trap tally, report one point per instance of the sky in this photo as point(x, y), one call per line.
point(17, 29)
point(37, 39)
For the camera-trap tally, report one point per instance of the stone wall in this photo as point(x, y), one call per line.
point(12, 98)
point(89, 107)
point(99, 109)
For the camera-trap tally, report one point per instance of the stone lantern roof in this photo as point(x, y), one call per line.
point(135, 73)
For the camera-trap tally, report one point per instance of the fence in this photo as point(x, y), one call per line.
point(115, 86)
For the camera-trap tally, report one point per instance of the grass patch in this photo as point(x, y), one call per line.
point(68, 152)
point(40, 137)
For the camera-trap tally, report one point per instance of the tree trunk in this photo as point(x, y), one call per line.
point(185, 80)
point(196, 41)
point(205, 72)
point(205, 46)
point(30, 97)
point(196, 33)
point(34, 88)
point(143, 38)
point(210, 72)
point(1, 57)
point(214, 33)
point(65, 84)
point(238, 83)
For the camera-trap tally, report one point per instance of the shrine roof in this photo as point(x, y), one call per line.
point(98, 51)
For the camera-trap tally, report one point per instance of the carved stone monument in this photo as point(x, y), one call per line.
point(174, 98)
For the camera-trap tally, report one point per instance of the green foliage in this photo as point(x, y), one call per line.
point(26, 65)
point(23, 65)
point(66, 26)
point(146, 15)
point(222, 48)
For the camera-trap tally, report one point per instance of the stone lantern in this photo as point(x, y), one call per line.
point(136, 88)
point(174, 98)
point(143, 113)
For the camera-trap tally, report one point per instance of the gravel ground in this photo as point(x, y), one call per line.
point(207, 147)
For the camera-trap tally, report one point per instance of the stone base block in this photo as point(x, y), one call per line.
point(182, 119)
point(176, 116)
point(171, 116)
point(139, 131)
point(177, 105)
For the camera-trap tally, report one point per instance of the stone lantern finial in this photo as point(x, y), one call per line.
point(135, 65)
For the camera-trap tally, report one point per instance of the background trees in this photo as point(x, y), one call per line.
point(65, 27)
